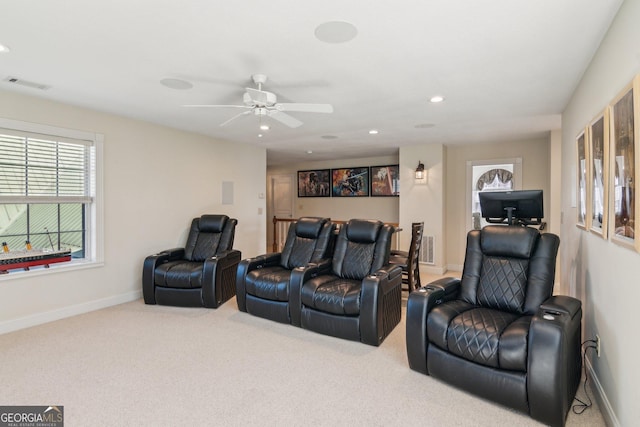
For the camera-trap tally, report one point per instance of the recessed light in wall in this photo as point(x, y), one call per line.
point(436, 99)
point(4, 49)
point(329, 137)
point(373, 132)
point(336, 32)
point(176, 84)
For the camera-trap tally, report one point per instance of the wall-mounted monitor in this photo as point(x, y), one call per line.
point(523, 207)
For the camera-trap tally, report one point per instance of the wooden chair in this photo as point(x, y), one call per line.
point(409, 260)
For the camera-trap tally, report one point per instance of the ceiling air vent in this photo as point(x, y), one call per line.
point(26, 83)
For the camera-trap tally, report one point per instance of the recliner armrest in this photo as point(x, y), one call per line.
point(554, 358)
point(560, 305)
point(216, 270)
point(419, 304)
point(450, 287)
point(149, 267)
point(299, 276)
point(265, 260)
point(376, 292)
point(388, 272)
point(169, 254)
point(245, 267)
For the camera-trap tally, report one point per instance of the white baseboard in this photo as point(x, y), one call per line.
point(603, 402)
point(50, 316)
point(455, 267)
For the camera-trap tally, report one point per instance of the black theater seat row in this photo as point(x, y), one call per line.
point(342, 286)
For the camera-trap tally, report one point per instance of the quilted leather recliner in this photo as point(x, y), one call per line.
point(498, 332)
point(263, 282)
point(203, 273)
point(357, 295)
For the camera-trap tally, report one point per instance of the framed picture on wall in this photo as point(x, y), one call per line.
point(599, 178)
point(314, 183)
point(624, 112)
point(582, 179)
point(350, 182)
point(385, 180)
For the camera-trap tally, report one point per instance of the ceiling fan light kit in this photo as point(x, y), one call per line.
point(265, 104)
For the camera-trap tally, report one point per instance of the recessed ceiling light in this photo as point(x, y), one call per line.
point(373, 132)
point(264, 127)
point(336, 32)
point(259, 135)
point(436, 99)
point(176, 84)
point(309, 152)
point(4, 49)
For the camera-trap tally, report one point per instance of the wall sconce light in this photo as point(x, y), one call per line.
point(420, 174)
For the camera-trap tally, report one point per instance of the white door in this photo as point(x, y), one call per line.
point(282, 186)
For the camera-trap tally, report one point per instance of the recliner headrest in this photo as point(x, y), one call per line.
point(212, 223)
point(363, 231)
point(509, 241)
point(309, 227)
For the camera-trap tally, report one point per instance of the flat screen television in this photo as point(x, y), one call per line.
point(522, 207)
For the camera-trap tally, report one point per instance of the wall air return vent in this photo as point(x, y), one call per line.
point(427, 250)
point(26, 83)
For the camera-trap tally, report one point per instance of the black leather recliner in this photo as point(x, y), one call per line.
point(498, 332)
point(203, 273)
point(263, 282)
point(357, 294)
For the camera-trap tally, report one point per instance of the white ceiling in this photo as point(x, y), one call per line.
point(507, 68)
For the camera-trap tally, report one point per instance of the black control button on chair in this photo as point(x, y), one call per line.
point(358, 295)
point(202, 274)
point(498, 332)
point(262, 282)
point(409, 261)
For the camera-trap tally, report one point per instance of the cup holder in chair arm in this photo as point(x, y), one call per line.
point(559, 305)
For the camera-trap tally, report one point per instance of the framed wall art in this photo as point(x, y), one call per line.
point(582, 179)
point(624, 111)
point(385, 180)
point(599, 179)
point(350, 182)
point(314, 183)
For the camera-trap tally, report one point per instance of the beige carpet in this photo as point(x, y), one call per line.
point(140, 365)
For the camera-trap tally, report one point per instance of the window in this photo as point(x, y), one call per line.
point(48, 183)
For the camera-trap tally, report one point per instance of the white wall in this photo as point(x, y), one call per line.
point(602, 274)
point(424, 201)
point(155, 181)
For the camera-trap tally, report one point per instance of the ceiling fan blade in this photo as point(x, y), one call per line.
point(215, 106)
point(306, 108)
point(285, 119)
point(244, 113)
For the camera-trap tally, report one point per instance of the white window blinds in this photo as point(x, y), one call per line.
point(44, 169)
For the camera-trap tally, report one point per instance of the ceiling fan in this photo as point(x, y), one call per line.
point(265, 104)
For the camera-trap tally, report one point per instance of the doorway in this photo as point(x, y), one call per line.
point(489, 175)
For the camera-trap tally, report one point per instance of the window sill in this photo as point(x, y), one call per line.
point(72, 265)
